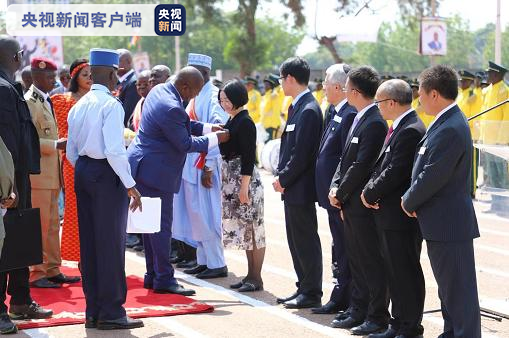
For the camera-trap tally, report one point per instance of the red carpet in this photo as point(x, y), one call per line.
point(68, 303)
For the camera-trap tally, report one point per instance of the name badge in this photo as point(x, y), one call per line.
point(290, 127)
point(388, 150)
point(422, 150)
point(337, 118)
point(355, 140)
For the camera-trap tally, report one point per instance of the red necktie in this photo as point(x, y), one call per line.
point(389, 133)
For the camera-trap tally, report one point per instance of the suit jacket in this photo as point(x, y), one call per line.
point(392, 174)
point(337, 125)
point(129, 97)
point(44, 120)
point(158, 152)
point(19, 135)
point(359, 156)
point(298, 152)
point(440, 189)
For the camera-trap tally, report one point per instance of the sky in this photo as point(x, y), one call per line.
point(478, 13)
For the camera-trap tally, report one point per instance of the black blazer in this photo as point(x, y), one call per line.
point(298, 152)
point(392, 174)
point(337, 125)
point(359, 156)
point(440, 189)
point(129, 97)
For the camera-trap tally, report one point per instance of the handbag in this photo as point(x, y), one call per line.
point(23, 239)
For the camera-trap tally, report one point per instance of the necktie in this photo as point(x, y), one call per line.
point(389, 133)
point(51, 105)
point(290, 112)
point(330, 115)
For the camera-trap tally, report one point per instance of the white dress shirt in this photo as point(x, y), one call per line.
point(440, 114)
point(123, 77)
point(297, 98)
point(358, 117)
point(96, 130)
point(340, 105)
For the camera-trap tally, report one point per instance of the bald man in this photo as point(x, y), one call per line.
point(159, 74)
point(126, 86)
point(157, 157)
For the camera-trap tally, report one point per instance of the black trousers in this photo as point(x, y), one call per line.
point(453, 266)
point(305, 247)
point(102, 217)
point(401, 250)
point(369, 299)
point(340, 269)
point(15, 282)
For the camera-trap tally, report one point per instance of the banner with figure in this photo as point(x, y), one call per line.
point(433, 39)
point(50, 47)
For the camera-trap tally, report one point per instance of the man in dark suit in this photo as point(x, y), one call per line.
point(295, 180)
point(126, 88)
point(21, 139)
point(439, 197)
point(338, 120)
point(369, 300)
point(157, 157)
point(400, 237)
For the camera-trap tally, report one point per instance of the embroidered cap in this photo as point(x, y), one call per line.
point(194, 59)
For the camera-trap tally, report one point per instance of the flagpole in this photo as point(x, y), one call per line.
point(498, 37)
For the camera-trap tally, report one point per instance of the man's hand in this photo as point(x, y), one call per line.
point(332, 198)
point(206, 177)
point(9, 202)
point(136, 199)
point(367, 205)
point(277, 185)
point(217, 127)
point(61, 144)
point(409, 214)
point(223, 136)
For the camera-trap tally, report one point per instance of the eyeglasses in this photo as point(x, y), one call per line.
point(19, 55)
point(281, 78)
point(345, 90)
point(379, 101)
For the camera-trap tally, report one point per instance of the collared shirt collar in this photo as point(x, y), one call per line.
point(340, 105)
point(123, 77)
point(363, 111)
point(97, 86)
point(440, 114)
point(401, 117)
point(297, 98)
point(43, 94)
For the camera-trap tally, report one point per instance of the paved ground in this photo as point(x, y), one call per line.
point(258, 315)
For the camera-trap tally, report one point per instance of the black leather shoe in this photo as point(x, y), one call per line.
point(389, 333)
point(213, 273)
point(342, 315)
point(303, 302)
point(196, 269)
point(124, 323)
point(29, 311)
point(44, 283)
point(406, 336)
point(282, 300)
point(138, 248)
point(176, 289)
point(187, 264)
point(176, 259)
point(330, 307)
point(346, 323)
point(367, 328)
point(6, 324)
point(91, 323)
point(61, 279)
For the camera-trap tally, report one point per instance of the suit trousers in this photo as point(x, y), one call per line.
point(340, 269)
point(47, 201)
point(102, 220)
point(160, 272)
point(17, 287)
point(305, 247)
point(401, 250)
point(453, 266)
point(369, 299)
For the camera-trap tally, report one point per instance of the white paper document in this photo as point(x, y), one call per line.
point(147, 221)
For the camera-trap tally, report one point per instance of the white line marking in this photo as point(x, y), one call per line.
point(174, 326)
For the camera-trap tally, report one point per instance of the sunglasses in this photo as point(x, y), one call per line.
point(19, 55)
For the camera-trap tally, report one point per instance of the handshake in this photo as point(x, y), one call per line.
point(223, 135)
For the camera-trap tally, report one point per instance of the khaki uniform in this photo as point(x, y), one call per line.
point(46, 186)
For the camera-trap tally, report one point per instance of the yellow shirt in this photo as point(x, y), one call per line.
point(253, 104)
point(270, 110)
point(319, 95)
point(494, 126)
point(287, 101)
point(470, 101)
point(426, 119)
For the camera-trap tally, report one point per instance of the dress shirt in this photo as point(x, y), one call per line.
point(440, 114)
point(123, 77)
point(340, 105)
point(397, 121)
point(96, 130)
point(358, 117)
point(297, 98)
